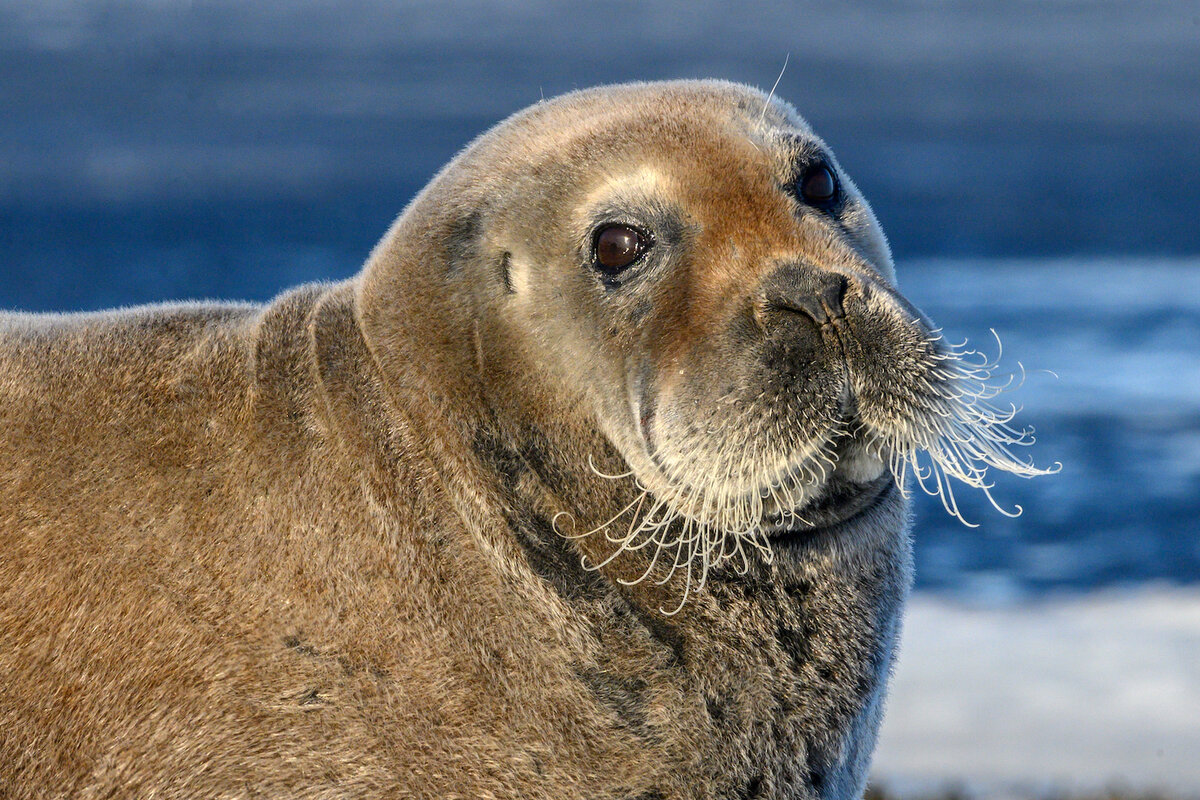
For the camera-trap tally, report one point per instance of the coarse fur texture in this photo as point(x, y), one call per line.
point(359, 542)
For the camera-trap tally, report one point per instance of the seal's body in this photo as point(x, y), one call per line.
point(226, 572)
point(580, 489)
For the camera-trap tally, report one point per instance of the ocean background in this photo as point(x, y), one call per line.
point(1035, 163)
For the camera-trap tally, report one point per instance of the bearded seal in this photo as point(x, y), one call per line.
point(585, 487)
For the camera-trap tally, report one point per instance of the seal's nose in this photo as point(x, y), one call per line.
point(825, 304)
point(815, 293)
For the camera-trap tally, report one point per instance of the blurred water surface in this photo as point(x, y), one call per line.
point(1034, 164)
point(1121, 412)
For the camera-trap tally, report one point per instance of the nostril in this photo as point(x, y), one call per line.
point(809, 305)
point(821, 302)
point(831, 297)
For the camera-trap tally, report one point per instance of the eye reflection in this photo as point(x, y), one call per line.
point(618, 246)
point(818, 186)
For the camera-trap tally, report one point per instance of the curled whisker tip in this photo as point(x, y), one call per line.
point(554, 523)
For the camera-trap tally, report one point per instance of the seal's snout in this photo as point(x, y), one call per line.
point(813, 293)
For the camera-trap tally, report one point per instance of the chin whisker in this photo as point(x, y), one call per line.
point(938, 424)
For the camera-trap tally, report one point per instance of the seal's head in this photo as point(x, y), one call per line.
point(684, 270)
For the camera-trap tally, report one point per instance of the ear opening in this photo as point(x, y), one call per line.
point(505, 268)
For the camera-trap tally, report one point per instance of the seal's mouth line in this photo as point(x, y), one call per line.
point(834, 509)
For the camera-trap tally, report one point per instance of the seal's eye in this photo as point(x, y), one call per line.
point(618, 246)
point(818, 186)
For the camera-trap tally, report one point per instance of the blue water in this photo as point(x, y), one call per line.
point(1121, 412)
point(1033, 163)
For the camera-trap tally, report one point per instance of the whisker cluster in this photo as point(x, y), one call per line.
point(940, 424)
point(684, 532)
point(949, 429)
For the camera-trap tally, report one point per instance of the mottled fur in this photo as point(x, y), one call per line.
point(308, 550)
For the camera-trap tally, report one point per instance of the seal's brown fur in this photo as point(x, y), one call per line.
point(308, 549)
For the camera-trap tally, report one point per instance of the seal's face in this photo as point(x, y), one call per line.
point(698, 269)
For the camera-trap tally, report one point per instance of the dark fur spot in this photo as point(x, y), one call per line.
point(310, 698)
point(493, 452)
point(624, 696)
point(798, 591)
point(294, 643)
point(753, 788)
point(536, 452)
point(638, 314)
point(348, 666)
point(555, 559)
point(653, 794)
point(716, 710)
point(664, 633)
point(816, 779)
point(462, 240)
point(794, 643)
point(753, 588)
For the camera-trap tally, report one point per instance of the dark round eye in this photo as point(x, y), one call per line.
point(618, 246)
point(818, 186)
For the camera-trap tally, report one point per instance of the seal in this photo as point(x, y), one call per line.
point(588, 486)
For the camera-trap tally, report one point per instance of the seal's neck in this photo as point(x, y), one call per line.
point(792, 653)
point(770, 678)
